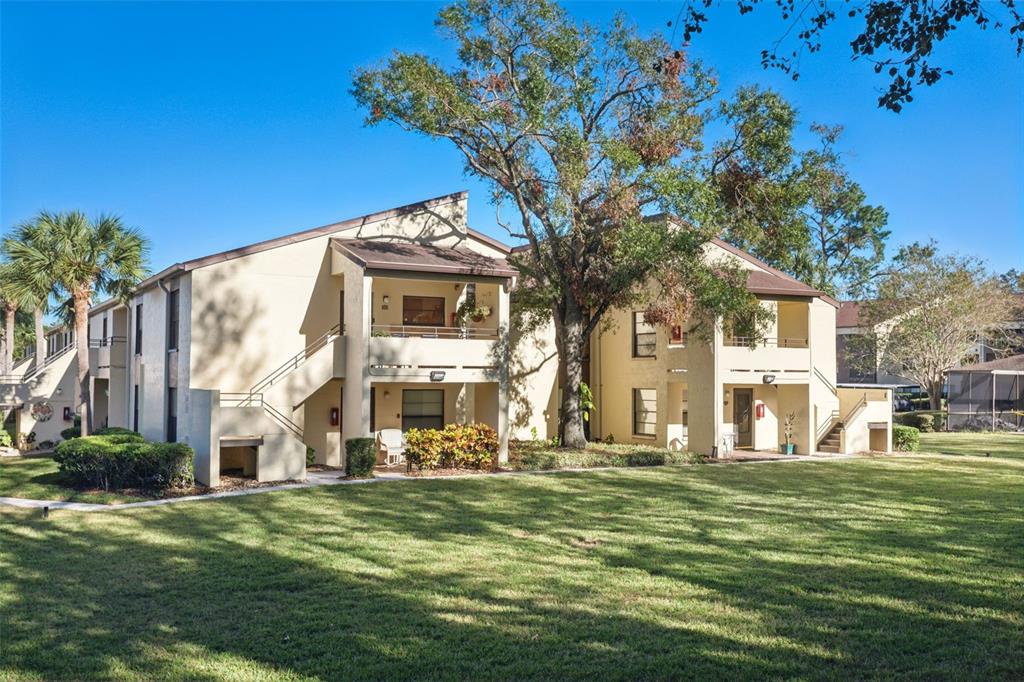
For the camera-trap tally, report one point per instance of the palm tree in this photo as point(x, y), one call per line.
point(33, 288)
point(9, 301)
point(85, 258)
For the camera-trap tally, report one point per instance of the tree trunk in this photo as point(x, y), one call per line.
point(81, 299)
point(9, 311)
point(40, 336)
point(935, 394)
point(569, 341)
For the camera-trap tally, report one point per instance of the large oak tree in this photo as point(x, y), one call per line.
point(582, 132)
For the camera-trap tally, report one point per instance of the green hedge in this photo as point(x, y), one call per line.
point(456, 446)
point(360, 457)
point(905, 438)
point(123, 459)
point(529, 458)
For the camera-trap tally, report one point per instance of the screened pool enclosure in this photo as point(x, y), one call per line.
point(987, 396)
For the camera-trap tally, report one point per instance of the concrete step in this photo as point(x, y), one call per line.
point(828, 448)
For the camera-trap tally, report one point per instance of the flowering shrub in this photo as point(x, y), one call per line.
point(456, 446)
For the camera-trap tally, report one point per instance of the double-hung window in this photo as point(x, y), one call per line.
point(645, 411)
point(644, 337)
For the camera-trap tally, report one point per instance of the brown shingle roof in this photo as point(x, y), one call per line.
point(351, 223)
point(410, 257)
point(1014, 363)
point(849, 314)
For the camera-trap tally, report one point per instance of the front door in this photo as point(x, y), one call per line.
point(742, 407)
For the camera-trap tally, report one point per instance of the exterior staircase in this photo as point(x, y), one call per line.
point(830, 442)
point(291, 383)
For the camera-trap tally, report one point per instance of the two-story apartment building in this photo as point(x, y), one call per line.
point(255, 355)
point(714, 392)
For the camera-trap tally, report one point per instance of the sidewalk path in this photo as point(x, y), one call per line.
point(315, 479)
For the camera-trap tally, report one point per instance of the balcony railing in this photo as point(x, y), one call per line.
point(416, 331)
point(109, 341)
point(748, 341)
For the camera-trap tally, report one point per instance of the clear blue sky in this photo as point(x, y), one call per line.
point(215, 125)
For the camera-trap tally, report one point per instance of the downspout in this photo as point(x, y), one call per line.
point(167, 364)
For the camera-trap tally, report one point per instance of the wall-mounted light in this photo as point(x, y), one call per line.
point(437, 375)
point(768, 378)
point(387, 394)
point(386, 299)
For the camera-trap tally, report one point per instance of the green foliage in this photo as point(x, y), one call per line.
point(925, 423)
point(360, 457)
point(905, 438)
point(802, 213)
point(929, 308)
point(456, 446)
point(528, 456)
point(73, 431)
point(125, 460)
point(586, 401)
point(310, 456)
point(580, 131)
point(5, 439)
point(897, 38)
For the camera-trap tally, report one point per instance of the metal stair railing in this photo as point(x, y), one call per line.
point(827, 427)
point(256, 400)
point(295, 361)
point(36, 369)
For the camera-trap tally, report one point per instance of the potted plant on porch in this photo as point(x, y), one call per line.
point(788, 424)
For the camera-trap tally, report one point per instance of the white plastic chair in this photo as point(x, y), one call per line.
point(392, 444)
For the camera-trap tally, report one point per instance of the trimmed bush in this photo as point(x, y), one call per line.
point(925, 423)
point(456, 446)
point(527, 458)
point(360, 457)
point(125, 460)
point(5, 439)
point(905, 438)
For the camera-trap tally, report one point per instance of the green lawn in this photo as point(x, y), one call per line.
point(884, 567)
point(998, 444)
point(38, 478)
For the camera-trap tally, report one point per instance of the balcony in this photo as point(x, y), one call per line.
point(107, 353)
point(742, 363)
point(414, 353)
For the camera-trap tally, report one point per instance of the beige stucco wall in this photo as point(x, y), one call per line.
point(533, 383)
point(56, 386)
point(708, 370)
point(877, 411)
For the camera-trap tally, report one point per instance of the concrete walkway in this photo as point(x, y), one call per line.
point(315, 479)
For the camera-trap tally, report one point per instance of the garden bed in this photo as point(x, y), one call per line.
point(531, 456)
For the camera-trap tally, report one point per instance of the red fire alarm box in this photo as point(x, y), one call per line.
point(335, 416)
point(760, 410)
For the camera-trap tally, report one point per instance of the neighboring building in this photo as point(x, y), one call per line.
point(988, 395)
point(665, 387)
point(850, 330)
point(39, 399)
point(254, 355)
point(850, 326)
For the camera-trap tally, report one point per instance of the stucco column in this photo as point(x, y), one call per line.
point(706, 394)
point(355, 412)
point(503, 342)
point(465, 404)
point(204, 435)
